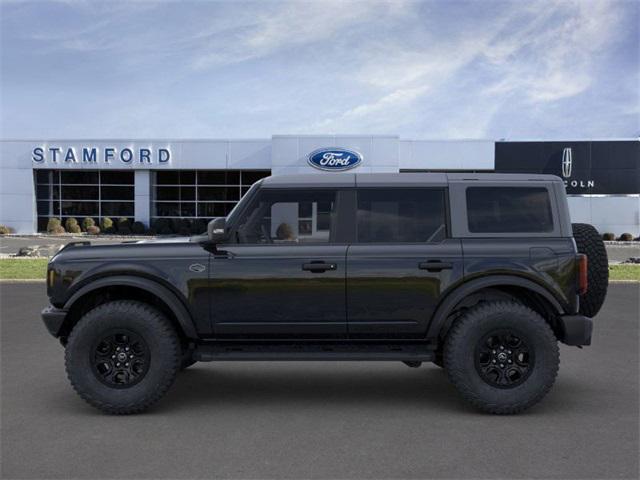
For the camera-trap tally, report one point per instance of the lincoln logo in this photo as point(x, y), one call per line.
point(567, 161)
point(334, 159)
point(567, 168)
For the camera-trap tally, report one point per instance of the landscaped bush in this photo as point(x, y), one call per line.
point(181, 226)
point(608, 236)
point(4, 230)
point(93, 230)
point(138, 228)
point(626, 237)
point(124, 226)
point(52, 224)
point(106, 226)
point(71, 225)
point(88, 222)
point(162, 226)
point(199, 227)
point(57, 230)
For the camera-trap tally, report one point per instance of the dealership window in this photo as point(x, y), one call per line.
point(509, 209)
point(200, 193)
point(401, 215)
point(291, 216)
point(87, 193)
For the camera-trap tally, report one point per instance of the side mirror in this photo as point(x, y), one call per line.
point(216, 230)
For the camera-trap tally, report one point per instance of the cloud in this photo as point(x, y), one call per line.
point(291, 24)
point(420, 69)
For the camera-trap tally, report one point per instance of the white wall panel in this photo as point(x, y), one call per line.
point(447, 155)
point(249, 154)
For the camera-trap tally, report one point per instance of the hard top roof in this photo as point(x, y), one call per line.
point(396, 179)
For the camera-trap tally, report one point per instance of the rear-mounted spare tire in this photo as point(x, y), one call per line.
point(589, 243)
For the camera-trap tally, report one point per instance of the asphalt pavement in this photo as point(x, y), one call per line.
point(319, 420)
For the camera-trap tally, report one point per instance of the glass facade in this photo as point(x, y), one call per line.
point(201, 194)
point(86, 193)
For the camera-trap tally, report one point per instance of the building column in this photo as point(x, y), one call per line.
point(142, 189)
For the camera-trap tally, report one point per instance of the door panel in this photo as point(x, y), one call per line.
point(279, 290)
point(393, 290)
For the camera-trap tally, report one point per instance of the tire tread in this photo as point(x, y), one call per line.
point(165, 329)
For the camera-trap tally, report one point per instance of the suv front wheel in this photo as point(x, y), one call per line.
point(502, 356)
point(122, 356)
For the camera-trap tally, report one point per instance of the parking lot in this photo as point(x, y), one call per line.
point(320, 420)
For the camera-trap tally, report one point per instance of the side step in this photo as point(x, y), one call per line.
point(285, 351)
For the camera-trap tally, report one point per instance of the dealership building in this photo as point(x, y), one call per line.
point(146, 180)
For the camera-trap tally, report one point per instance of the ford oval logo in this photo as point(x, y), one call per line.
point(334, 159)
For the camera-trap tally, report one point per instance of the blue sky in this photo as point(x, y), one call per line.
point(423, 70)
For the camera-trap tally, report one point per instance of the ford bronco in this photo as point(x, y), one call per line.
point(481, 274)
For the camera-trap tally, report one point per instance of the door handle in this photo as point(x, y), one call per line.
point(318, 267)
point(435, 266)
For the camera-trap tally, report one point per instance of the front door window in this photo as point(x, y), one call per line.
point(291, 216)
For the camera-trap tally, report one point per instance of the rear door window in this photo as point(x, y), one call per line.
point(509, 210)
point(401, 215)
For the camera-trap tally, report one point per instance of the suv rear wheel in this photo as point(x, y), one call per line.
point(122, 356)
point(502, 356)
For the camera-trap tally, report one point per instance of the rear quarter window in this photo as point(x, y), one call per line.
point(509, 210)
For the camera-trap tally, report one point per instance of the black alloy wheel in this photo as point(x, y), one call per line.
point(504, 359)
point(120, 359)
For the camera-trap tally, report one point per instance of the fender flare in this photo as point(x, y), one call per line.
point(163, 293)
point(439, 319)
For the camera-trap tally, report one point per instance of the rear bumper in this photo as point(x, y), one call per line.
point(53, 319)
point(576, 330)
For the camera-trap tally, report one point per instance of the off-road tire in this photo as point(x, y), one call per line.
point(468, 332)
point(589, 242)
point(162, 344)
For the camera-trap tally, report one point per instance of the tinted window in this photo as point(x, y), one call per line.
point(508, 209)
point(413, 215)
point(289, 217)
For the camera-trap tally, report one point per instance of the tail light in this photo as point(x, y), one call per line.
point(583, 280)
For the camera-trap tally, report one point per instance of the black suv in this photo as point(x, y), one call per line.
point(481, 274)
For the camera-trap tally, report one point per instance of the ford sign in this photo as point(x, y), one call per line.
point(334, 159)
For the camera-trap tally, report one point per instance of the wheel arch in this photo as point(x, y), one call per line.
point(494, 287)
point(119, 287)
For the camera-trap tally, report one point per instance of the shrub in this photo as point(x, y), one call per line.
point(124, 226)
point(608, 236)
point(57, 230)
point(162, 226)
point(93, 230)
point(181, 226)
point(71, 224)
point(626, 237)
point(138, 228)
point(88, 222)
point(5, 230)
point(52, 224)
point(106, 226)
point(199, 227)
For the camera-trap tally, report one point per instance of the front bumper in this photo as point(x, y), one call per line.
point(576, 330)
point(53, 319)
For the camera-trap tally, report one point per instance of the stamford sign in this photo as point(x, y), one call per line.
point(334, 159)
point(95, 155)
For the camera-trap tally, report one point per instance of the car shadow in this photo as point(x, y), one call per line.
point(254, 385)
